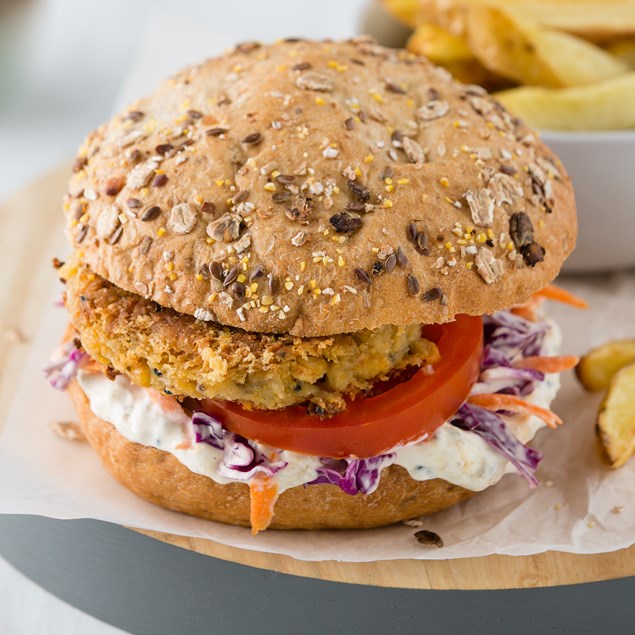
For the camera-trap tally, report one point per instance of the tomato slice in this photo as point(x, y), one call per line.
point(373, 425)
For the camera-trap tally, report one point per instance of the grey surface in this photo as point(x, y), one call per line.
point(149, 588)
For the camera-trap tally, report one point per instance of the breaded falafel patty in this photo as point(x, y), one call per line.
point(177, 354)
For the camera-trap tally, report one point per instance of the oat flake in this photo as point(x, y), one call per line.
point(183, 218)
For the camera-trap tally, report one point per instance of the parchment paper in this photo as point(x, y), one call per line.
point(573, 510)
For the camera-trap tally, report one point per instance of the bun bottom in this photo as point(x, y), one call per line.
point(160, 478)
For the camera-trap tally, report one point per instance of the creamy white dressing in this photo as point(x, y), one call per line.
point(454, 455)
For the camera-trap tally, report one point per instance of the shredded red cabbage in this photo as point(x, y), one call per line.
point(61, 372)
point(241, 459)
point(507, 380)
point(493, 430)
point(508, 336)
point(352, 476)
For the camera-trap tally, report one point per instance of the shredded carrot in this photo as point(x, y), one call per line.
point(527, 311)
point(545, 364)
point(552, 292)
point(169, 404)
point(510, 402)
point(91, 366)
point(264, 495)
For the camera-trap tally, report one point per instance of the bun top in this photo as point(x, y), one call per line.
point(315, 188)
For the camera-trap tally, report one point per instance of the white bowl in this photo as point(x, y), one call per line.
point(601, 165)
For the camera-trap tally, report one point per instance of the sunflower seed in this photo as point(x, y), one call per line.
point(521, 229)
point(430, 538)
point(533, 253)
point(345, 222)
point(359, 191)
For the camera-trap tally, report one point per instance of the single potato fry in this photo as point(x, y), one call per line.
point(438, 44)
point(616, 419)
point(517, 47)
point(623, 50)
point(598, 367)
point(604, 106)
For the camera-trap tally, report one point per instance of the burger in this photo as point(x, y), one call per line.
point(305, 288)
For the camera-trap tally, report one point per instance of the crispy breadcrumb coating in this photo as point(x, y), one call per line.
point(179, 355)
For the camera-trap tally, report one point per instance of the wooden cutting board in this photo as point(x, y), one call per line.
point(30, 220)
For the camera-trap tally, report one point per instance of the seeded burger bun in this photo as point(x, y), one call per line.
point(353, 196)
point(299, 190)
